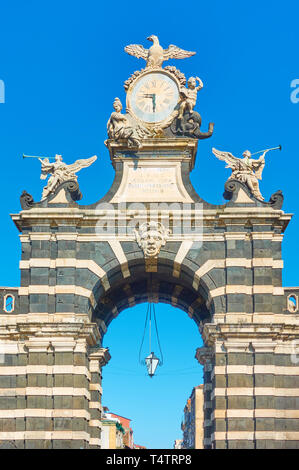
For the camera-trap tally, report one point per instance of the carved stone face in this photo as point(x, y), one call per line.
point(191, 83)
point(117, 105)
point(151, 242)
point(151, 237)
point(247, 154)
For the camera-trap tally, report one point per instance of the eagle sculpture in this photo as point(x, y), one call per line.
point(156, 55)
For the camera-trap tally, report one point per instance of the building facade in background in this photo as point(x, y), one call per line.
point(128, 439)
point(178, 443)
point(193, 420)
point(117, 432)
point(112, 432)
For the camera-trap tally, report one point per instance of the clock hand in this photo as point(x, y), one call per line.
point(153, 97)
point(154, 102)
point(148, 95)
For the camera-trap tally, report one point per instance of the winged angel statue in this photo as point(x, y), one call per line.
point(246, 169)
point(60, 172)
point(156, 55)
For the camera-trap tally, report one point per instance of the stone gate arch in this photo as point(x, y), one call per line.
point(168, 286)
point(76, 278)
point(150, 237)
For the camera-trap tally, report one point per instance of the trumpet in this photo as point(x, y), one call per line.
point(267, 150)
point(34, 156)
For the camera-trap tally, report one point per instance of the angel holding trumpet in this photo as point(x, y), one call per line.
point(247, 170)
point(59, 171)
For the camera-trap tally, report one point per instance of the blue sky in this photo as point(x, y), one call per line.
point(62, 63)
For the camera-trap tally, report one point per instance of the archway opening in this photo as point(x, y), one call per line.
point(155, 406)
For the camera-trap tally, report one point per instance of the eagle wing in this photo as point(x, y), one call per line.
point(137, 50)
point(79, 164)
point(175, 52)
point(231, 162)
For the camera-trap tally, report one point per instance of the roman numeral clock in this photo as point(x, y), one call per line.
point(153, 97)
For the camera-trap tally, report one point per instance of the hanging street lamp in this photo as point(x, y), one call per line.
point(151, 362)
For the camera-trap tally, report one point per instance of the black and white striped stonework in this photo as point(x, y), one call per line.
point(75, 280)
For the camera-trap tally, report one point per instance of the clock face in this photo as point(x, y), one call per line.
point(154, 97)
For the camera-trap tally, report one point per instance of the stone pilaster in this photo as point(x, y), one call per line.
point(255, 385)
point(205, 357)
point(47, 383)
point(97, 359)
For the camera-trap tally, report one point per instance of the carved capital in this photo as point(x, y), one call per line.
point(54, 335)
point(204, 355)
point(99, 357)
point(248, 335)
